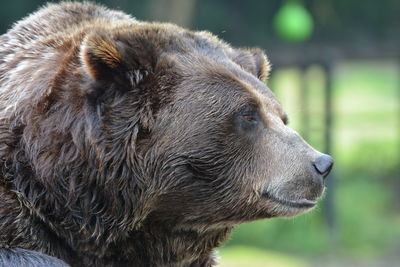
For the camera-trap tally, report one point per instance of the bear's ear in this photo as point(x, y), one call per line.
point(254, 61)
point(100, 56)
point(124, 63)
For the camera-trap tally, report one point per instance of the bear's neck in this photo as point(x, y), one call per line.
point(163, 247)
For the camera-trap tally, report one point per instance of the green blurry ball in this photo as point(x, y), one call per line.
point(293, 22)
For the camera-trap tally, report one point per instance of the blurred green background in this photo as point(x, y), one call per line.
point(336, 69)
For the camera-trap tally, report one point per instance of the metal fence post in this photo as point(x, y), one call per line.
point(304, 104)
point(330, 212)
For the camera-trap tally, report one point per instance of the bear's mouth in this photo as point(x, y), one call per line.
point(298, 203)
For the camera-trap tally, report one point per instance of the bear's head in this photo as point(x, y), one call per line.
point(150, 123)
point(204, 139)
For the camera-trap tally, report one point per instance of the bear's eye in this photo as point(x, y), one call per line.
point(249, 115)
point(250, 118)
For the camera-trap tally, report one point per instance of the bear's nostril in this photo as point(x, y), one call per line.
point(323, 164)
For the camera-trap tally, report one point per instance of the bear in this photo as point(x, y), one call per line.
point(131, 143)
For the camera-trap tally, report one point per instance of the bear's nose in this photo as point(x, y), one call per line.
point(323, 164)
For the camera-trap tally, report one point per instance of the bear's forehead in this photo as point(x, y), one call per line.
point(221, 77)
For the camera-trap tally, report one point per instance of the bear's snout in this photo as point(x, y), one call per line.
point(297, 172)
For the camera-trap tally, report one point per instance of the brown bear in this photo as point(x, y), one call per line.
point(127, 143)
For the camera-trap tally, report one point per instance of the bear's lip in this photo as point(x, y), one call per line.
point(298, 203)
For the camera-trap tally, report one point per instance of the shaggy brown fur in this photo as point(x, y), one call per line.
point(125, 143)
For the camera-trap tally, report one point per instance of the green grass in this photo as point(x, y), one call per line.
point(368, 226)
point(242, 256)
